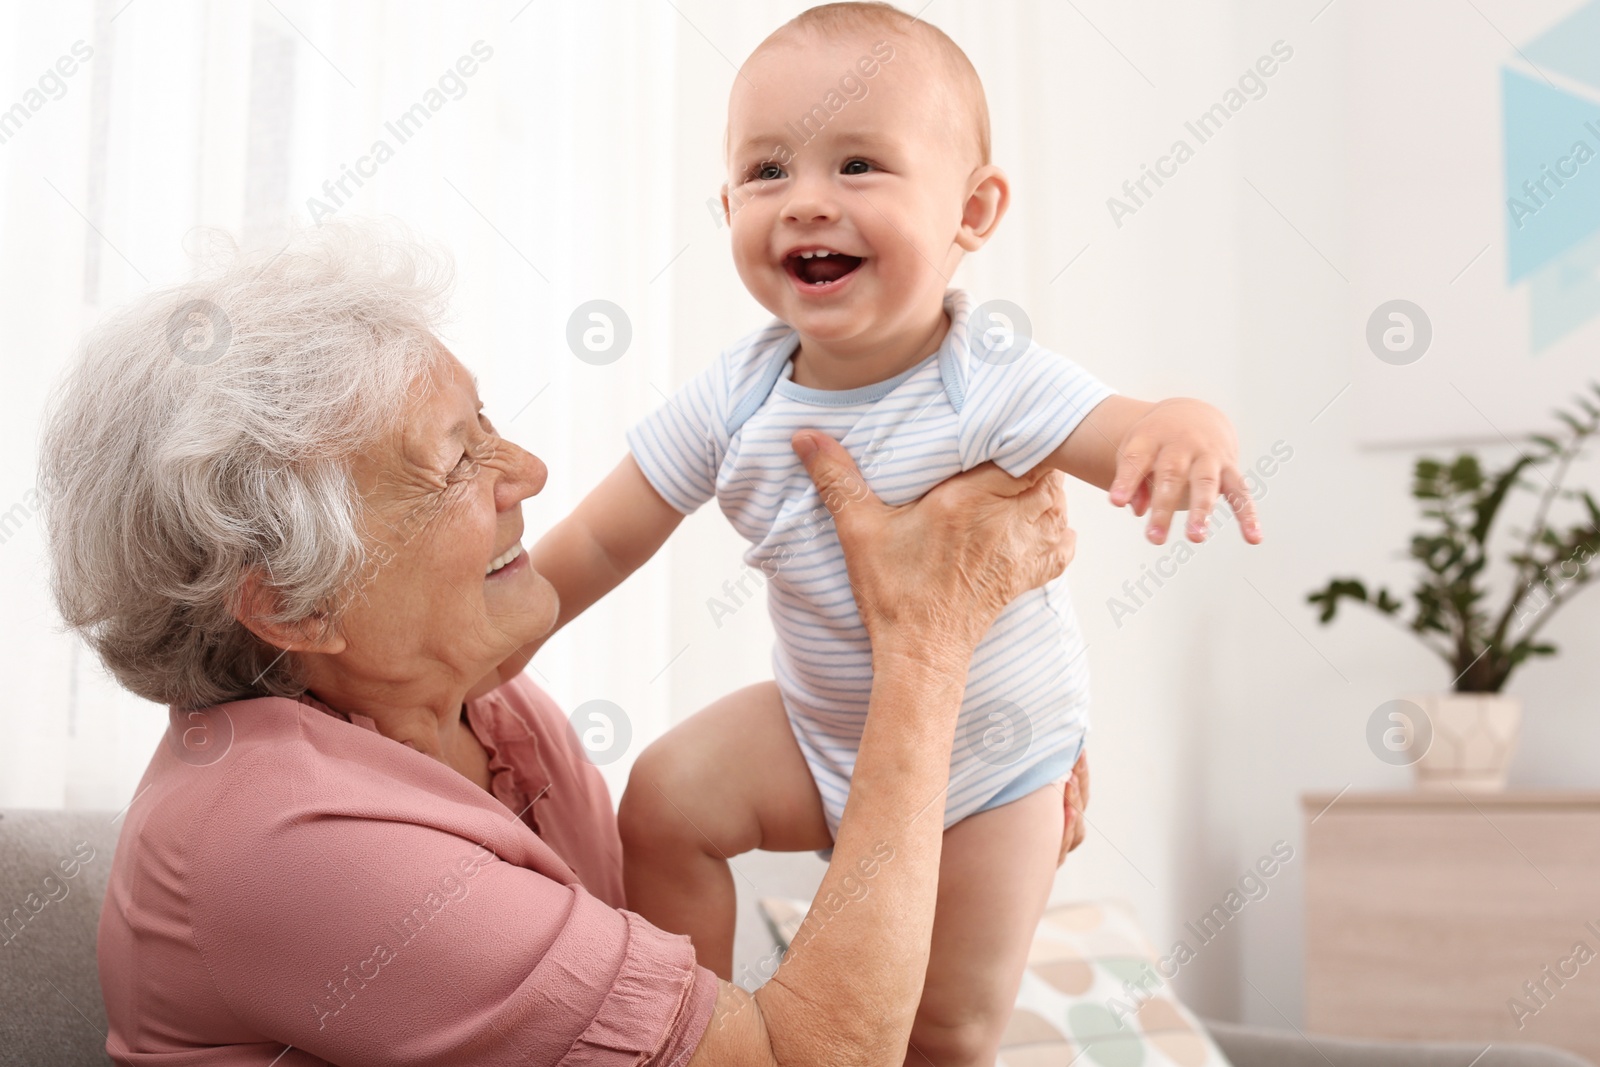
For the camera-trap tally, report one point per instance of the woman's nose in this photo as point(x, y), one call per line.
point(525, 474)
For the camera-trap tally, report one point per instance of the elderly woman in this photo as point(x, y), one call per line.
point(276, 506)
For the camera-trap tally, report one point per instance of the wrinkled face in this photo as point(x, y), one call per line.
point(446, 508)
point(849, 236)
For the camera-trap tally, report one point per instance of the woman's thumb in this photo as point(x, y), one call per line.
point(832, 471)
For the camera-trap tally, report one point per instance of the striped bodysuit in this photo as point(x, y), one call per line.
point(726, 434)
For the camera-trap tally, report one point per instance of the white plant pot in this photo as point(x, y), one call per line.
point(1474, 736)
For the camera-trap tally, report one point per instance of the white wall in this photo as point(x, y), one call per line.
point(1221, 700)
point(1282, 718)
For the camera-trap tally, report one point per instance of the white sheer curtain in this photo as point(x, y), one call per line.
point(534, 141)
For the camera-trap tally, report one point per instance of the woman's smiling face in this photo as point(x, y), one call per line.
point(444, 507)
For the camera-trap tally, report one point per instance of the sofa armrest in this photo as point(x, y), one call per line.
point(1252, 1046)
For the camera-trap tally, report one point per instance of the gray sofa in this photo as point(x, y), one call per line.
point(51, 1013)
point(50, 1009)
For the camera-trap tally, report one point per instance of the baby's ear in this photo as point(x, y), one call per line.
point(727, 213)
point(988, 196)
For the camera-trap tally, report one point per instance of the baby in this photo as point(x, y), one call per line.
point(858, 177)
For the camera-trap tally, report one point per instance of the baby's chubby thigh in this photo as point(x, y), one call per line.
point(995, 875)
point(727, 780)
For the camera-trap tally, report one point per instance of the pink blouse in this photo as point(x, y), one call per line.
point(293, 888)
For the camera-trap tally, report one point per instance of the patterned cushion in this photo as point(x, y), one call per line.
point(1091, 993)
point(1092, 990)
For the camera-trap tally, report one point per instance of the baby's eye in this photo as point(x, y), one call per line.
point(766, 172)
point(855, 166)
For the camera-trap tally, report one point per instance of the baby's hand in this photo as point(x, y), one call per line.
point(1179, 456)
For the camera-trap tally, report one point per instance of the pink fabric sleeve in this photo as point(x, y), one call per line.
point(409, 944)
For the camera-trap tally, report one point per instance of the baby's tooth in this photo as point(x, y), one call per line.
point(805, 255)
point(822, 255)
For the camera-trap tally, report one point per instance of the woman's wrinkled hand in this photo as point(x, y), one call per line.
point(932, 575)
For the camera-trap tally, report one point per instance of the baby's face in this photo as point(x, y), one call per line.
point(849, 237)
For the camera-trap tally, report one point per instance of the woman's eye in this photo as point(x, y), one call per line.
point(856, 166)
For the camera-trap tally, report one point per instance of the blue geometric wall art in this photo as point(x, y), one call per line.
point(1552, 172)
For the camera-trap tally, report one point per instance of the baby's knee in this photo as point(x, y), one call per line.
point(958, 1039)
point(960, 1021)
point(660, 803)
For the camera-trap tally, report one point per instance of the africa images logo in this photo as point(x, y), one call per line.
point(1551, 96)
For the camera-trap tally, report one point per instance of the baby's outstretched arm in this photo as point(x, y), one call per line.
point(611, 534)
point(1169, 456)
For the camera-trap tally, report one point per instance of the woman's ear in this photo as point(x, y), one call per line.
point(988, 196)
point(258, 602)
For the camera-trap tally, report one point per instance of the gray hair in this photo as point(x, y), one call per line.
point(210, 428)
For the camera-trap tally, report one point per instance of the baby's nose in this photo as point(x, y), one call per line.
point(810, 203)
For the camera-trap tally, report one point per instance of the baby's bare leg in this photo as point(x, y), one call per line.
point(994, 880)
point(726, 781)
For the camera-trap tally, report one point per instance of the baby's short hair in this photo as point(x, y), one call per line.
point(830, 20)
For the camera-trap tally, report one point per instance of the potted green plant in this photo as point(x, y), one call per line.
point(1454, 609)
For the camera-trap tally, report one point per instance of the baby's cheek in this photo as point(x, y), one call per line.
point(746, 254)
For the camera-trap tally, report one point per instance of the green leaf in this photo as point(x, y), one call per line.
point(1337, 589)
point(1465, 473)
point(1488, 506)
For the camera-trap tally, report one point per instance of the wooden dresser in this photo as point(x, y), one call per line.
point(1434, 914)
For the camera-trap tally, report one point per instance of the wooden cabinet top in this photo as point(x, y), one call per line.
point(1316, 804)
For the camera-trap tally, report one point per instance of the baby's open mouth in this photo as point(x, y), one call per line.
point(820, 266)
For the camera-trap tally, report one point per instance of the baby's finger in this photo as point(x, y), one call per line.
point(1204, 481)
point(1171, 480)
point(1133, 464)
point(1242, 503)
point(1141, 499)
